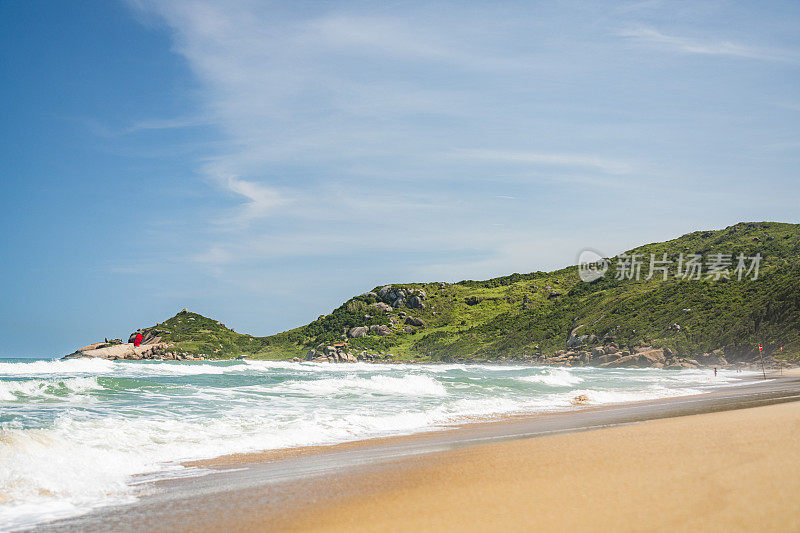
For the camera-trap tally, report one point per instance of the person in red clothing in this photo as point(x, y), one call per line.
point(138, 340)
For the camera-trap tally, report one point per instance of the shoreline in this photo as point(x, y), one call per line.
point(265, 482)
point(491, 423)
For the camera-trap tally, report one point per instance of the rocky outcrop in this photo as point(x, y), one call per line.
point(341, 354)
point(149, 336)
point(399, 297)
point(411, 321)
point(359, 331)
point(158, 350)
point(386, 308)
point(611, 356)
point(647, 358)
point(380, 329)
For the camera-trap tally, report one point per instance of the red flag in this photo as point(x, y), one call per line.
point(760, 348)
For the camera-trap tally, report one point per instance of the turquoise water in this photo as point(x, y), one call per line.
point(82, 433)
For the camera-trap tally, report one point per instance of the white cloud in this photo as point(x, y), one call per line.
point(601, 164)
point(168, 124)
point(343, 130)
point(396, 39)
point(705, 47)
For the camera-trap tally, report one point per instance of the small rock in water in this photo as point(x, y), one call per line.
point(580, 399)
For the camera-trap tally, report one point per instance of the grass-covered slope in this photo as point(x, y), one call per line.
point(538, 312)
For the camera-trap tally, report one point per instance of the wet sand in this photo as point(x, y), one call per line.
point(725, 460)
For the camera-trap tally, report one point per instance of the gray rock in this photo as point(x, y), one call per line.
point(415, 302)
point(383, 291)
point(358, 331)
point(380, 330)
point(577, 340)
point(383, 307)
point(411, 321)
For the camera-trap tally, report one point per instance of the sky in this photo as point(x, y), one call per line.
point(261, 163)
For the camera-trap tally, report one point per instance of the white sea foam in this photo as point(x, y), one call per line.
point(146, 417)
point(412, 384)
point(58, 366)
point(554, 377)
point(27, 389)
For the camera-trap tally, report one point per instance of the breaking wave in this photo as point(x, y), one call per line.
point(77, 434)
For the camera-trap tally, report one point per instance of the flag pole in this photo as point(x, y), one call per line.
point(761, 353)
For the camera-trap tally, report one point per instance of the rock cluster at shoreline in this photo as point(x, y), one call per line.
point(341, 354)
point(610, 356)
point(127, 351)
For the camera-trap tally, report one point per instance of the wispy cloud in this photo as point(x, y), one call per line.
point(601, 164)
point(712, 47)
point(168, 124)
point(370, 36)
point(381, 132)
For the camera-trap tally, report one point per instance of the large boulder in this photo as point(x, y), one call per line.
point(411, 321)
point(151, 337)
point(621, 362)
point(358, 331)
point(383, 291)
point(379, 329)
point(93, 346)
point(415, 302)
point(577, 340)
point(650, 358)
point(607, 358)
point(386, 308)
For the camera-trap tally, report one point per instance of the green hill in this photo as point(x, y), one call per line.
point(541, 312)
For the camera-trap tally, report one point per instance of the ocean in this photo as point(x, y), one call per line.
point(82, 433)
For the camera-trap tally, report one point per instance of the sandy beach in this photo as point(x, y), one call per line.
point(728, 460)
point(732, 471)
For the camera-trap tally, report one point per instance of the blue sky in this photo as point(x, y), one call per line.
point(261, 163)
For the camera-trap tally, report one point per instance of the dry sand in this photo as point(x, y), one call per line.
point(730, 471)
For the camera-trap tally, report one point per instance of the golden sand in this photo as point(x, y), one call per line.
point(730, 471)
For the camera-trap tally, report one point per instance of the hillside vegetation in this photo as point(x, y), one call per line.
point(540, 312)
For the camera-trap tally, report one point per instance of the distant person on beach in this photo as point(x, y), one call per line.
point(138, 340)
